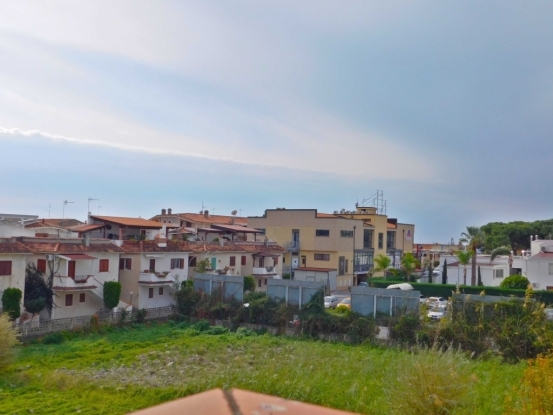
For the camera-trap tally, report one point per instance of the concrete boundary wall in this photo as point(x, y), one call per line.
point(372, 301)
point(231, 286)
point(293, 292)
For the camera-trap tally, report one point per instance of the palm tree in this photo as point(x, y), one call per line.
point(408, 264)
point(464, 258)
point(474, 237)
point(503, 250)
point(382, 263)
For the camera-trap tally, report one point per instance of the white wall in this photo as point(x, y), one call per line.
point(163, 263)
point(538, 273)
point(17, 279)
point(158, 300)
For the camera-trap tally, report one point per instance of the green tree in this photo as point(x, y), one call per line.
point(382, 263)
point(249, 283)
point(444, 273)
point(408, 264)
point(503, 250)
point(11, 302)
point(474, 237)
point(203, 265)
point(464, 258)
point(38, 287)
point(112, 294)
point(515, 282)
point(430, 273)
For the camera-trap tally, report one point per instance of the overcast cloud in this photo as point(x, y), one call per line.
point(446, 106)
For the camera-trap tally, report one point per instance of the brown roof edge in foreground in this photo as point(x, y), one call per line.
point(236, 402)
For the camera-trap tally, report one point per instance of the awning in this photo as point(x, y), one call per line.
point(74, 257)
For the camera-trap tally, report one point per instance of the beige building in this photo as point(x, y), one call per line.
point(345, 240)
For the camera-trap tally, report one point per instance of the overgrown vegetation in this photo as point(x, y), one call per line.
point(112, 294)
point(8, 336)
point(11, 299)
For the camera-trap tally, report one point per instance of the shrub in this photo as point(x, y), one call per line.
point(535, 393)
point(35, 306)
point(53, 338)
point(515, 282)
point(140, 316)
point(11, 299)
point(430, 381)
point(286, 276)
point(202, 325)
point(8, 334)
point(403, 328)
point(112, 294)
point(217, 330)
point(249, 283)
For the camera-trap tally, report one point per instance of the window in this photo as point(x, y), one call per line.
point(346, 234)
point(346, 266)
point(125, 263)
point(391, 240)
point(259, 283)
point(322, 257)
point(232, 261)
point(177, 263)
point(380, 240)
point(498, 273)
point(550, 269)
point(82, 297)
point(243, 260)
point(41, 265)
point(5, 268)
point(104, 265)
point(160, 291)
point(261, 231)
point(150, 293)
point(265, 281)
point(188, 224)
point(367, 238)
point(71, 265)
point(152, 265)
point(322, 232)
point(192, 261)
point(68, 300)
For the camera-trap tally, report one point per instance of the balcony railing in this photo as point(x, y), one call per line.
point(362, 268)
point(291, 246)
point(78, 281)
point(156, 277)
point(264, 271)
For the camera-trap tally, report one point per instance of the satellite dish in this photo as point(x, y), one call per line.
point(234, 212)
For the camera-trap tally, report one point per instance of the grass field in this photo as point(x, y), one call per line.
point(128, 369)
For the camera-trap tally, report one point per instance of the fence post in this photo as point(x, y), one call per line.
point(374, 305)
point(300, 296)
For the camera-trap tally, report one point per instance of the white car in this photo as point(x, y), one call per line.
point(331, 301)
point(436, 301)
point(548, 313)
point(437, 313)
point(422, 299)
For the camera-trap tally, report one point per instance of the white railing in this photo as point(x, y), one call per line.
point(158, 277)
point(264, 271)
point(78, 281)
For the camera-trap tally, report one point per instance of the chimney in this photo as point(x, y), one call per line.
point(169, 211)
point(206, 213)
point(86, 239)
point(163, 211)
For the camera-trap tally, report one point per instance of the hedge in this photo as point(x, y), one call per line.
point(445, 290)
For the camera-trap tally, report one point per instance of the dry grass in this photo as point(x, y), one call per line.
point(8, 341)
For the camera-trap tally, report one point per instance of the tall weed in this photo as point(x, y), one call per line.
point(8, 336)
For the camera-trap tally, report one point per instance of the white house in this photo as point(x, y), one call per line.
point(12, 265)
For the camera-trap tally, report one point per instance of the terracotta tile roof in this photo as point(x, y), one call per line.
point(68, 246)
point(87, 228)
point(85, 287)
point(261, 247)
point(215, 219)
point(152, 246)
point(543, 255)
point(13, 248)
point(130, 222)
point(391, 226)
point(237, 402)
point(61, 223)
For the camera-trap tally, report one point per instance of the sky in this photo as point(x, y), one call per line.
point(251, 105)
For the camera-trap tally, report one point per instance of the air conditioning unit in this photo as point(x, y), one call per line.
point(49, 257)
point(535, 285)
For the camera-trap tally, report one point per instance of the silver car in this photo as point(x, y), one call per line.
point(331, 301)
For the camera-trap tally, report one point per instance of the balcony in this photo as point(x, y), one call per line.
point(362, 268)
point(79, 282)
point(157, 278)
point(292, 246)
point(261, 271)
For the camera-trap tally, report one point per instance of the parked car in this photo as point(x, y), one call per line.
point(331, 301)
point(422, 299)
point(437, 312)
point(548, 313)
point(346, 302)
point(363, 284)
point(401, 286)
point(436, 301)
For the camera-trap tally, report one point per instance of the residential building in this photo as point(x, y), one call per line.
point(150, 271)
point(13, 256)
point(121, 228)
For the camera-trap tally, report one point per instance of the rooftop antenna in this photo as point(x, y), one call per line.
point(49, 208)
point(377, 201)
point(240, 212)
point(65, 203)
point(99, 209)
point(90, 199)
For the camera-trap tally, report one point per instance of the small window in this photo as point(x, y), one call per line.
point(68, 300)
point(121, 263)
point(380, 240)
point(128, 263)
point(232, 261)
point(82, 297)
point(160, 290)
point(175, 263)
point(259, 283)
point(188, 224)
point(181, 264)
point(322, 232)
point(41, 265)
point(104, 265)
point(152, 265)
point(192, 261)
point(322, 257)
point(261, 231)
point(346, 234)
point(498, 273)
point(265, 281)
point(150, 293)
point(71, 267)
point(243, 260)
